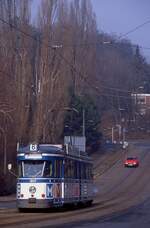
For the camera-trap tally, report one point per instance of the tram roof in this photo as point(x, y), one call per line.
point(41, 151)
point(51, 149)
point(44, 148)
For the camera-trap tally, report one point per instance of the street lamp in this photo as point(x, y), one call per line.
point(83, 124)
point(56, 46)
point(71, 109)
point(119, 130)
point(106, 42)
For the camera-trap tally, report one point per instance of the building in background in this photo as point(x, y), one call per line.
point(141, 103)
point(141, 112)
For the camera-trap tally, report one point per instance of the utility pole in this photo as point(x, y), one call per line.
point(83, 125)
point(123, 134)
point(112, 134)
point(119, 128)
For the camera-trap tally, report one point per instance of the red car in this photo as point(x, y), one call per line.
point(131, 162)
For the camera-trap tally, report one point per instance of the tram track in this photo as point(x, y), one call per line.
point(52, 219)
point(13, 218)
point(125, 178)
point(40, 217)
point(92, 214)
point(88, 212)
point(110, 164)
point(107, 162)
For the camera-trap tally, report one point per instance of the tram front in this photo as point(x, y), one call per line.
point(35, 181)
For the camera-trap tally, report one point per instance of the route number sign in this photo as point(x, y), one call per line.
point(33, 147)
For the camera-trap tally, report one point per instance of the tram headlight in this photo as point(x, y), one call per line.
point(32, 189)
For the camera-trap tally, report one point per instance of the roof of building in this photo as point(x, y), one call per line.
point(141, 94)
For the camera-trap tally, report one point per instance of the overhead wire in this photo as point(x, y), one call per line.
point(96, 88)
point(120, 37)
point(67, 62)
point(134, 29)
point(85, 44)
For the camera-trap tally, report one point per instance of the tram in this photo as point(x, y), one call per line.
point(53, 175)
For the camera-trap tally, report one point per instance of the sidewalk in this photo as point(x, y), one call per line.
point(8, 198)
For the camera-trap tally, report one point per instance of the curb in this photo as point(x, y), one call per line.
point(7, 201)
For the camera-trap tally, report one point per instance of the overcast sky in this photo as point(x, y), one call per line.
point(120, 16)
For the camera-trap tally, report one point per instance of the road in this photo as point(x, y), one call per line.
point(122, 200)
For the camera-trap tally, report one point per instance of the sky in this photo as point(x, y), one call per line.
point(120, 16)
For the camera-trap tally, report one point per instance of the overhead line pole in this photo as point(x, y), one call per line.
point(83, 126)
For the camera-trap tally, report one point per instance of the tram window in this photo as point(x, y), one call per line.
point(83, 171)
point(48, 169)
point(76, 169)
point(91, 173)
point(66, 168)
point(69, 168)
point(33, 168)
point(87, 171)
point(58, 168)
point(20, 174)
point(72, 169)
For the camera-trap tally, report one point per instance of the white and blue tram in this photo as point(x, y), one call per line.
point(53, 175)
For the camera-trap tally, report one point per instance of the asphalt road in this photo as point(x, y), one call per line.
point(131, 184)
point(122, 200)
point(138, 216)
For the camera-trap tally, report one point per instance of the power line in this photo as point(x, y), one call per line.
point(145, 48)
point(123, 35)
point(89, 83)
point(62, 57)
point(134, 29)
point(85, 44)
point(110, 95)
point(94, 87)
point(115, 89)
point(78, 45)
point(16, 28)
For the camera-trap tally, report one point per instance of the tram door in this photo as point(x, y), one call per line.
point(58, 183)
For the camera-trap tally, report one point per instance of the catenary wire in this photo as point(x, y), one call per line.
point(68, 63)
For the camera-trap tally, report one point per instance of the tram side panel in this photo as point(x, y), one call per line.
point(78, 182)
point(72, 191)
point(71, 181)
point(86, 182)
